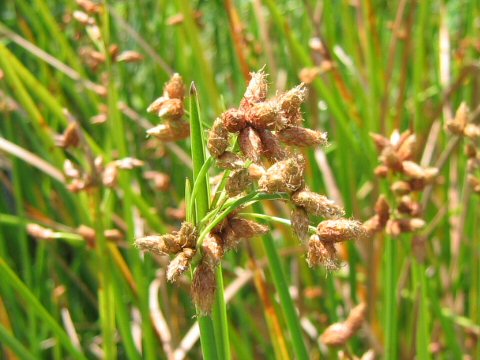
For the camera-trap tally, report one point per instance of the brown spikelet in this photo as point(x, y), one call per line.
point(256, 90)
point(401, 187)
point(159, 244)
point(321, 253)
point(413, 170)
point(110, 175)
point(396, 227)
point(390, 159)
point(408, 206)
point(339, 333)
point(373, 225)
point(187, 235)
point(383, 210)
point(263, 115)
point(356, 317)
point(156, 105)
point(256, 171)
point(203, 288)
point(272, 149)
point(291, 101)
point(70, 137)
point(284, 176)
point(238, 182)
point(128, 56)
point(300, 223)
point(179, 264)
point(234, 120)
point(218, 138)
point(171, 109)
point(381, 142)
point(229, 160)
point(40, 232)
point(250, 144)
point(212, 248)
point(170, 132)
point(474, 183)
point(381, 171)
point(336, 334)
point(160, 180)
point(406, 148)
point(302, 137)
point(340, 230)
point(317, 204)
point(175, 88)
point(246, 229)
point(459, 122)
point(472, 131)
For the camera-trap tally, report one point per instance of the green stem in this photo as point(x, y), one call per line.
point(291, 318)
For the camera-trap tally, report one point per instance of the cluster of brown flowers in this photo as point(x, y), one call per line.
point(170, 107)
point(268, 131)
point(396, 157)
point(462, 126)
point(82, 179)
point(86, 16)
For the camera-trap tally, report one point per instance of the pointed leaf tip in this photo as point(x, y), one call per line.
point(193, 89)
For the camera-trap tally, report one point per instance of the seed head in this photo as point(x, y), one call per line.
point(170, 131)
point(472, 131)
point(401, 187)
point(238, 182)
point(70, 137)
point(383, 210)
point(229, 160)
point(284, 176)
point(339, 333)
point(256, 171)
point(175, 88)
point(322, 253)
point(317, 204)
point(218, 138)
point(300, 223)
point(237, 229)
point(128, 56)
point(457, 125)
point(396, 227)
point(340, 230)
point(291, 101)
point(256, 90)
point(171, 109)
point(204, 286)
point(110, 175)
point(263, 115)
point(234, 120)
point(159, 244)
point(156, 105)
point(250, 144)
point(179, 264)
point(302, 137)
point(212, 248)
point(272, 149)
point(160, 180)
point(187, 235)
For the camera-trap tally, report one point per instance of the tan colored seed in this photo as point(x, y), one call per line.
point(250, 144)
point(218, 138)
point(300, 223)
point(187, 235)
point(340, 230)
point(204, 286)
point(70, 137)
point(302, 137)
point(175, 88)
point(234, 120)
point(256, 171)
point(238, 182)
point(284, 176)
point(40, 232)
point(317, 204)
point(472, 131)
point(179, 264)
point(156, 105)
point(110, 175)
point(129, 56)
point(383, 210)
point(401, 188)
point(160, 180)
point(459, 122)
point(339, 333)
point(291, 101)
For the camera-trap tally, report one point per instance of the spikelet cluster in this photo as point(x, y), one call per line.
point(339, 333)
point(463, 126)
point(396, 155)
point(181, 244)
point(170, 107)
point(269, 131)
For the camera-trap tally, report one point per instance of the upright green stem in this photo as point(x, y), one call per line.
point(213, 336)
point(288, 307)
